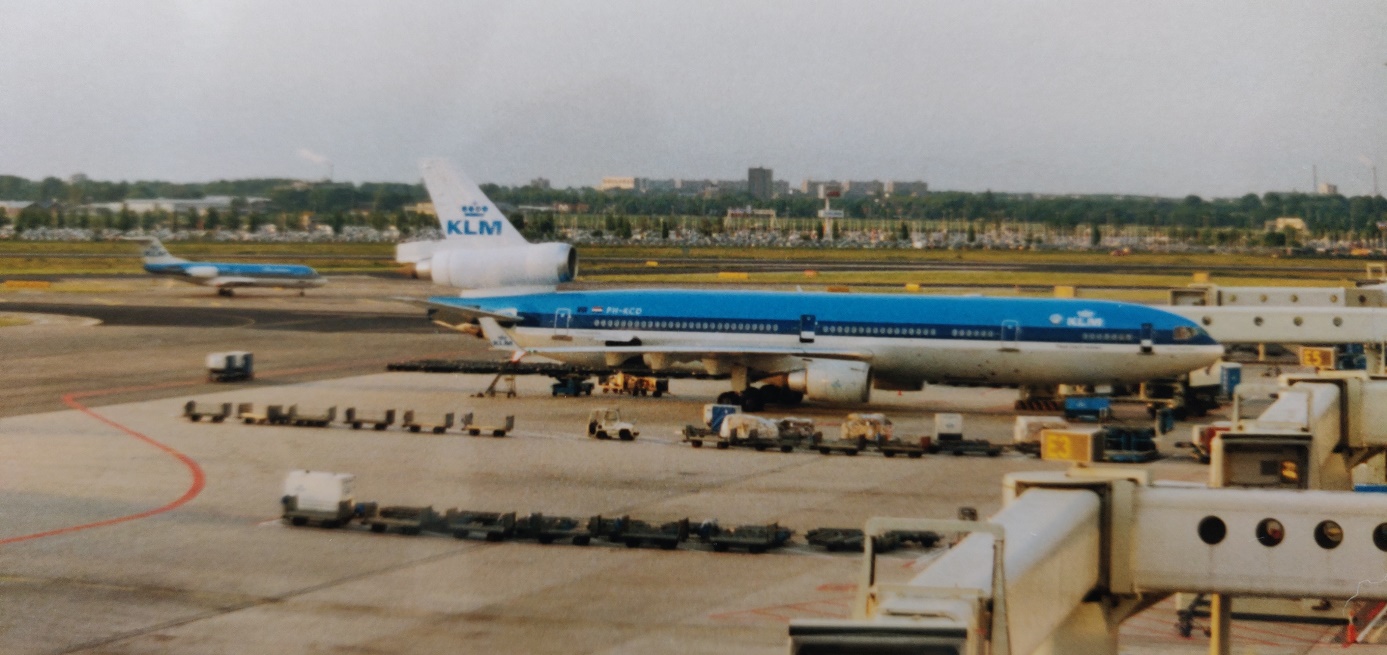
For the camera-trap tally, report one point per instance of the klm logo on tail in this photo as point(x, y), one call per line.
point(468, 228)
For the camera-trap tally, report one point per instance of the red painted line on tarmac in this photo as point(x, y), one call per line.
point(198, 483)
point(199, 480)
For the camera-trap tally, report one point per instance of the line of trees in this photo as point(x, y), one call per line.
point(363, 204)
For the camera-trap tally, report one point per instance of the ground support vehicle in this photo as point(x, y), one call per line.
point(215, 413)
point(893, 447)
point(409, 423)
point(845, 446)
point(405, 520)
point(318, 497)
point(273, 414)
point(1094, 409)
point(377, 421)
point(492, 526)
point(1129, 444)
point(548, 529)
point(230, 366)
point(605, 423)
point(711, 430)
point(695, 436)
point(310, 420)
point(571, 386)
point(635, 385)
point(961, 446)
point(872, 427)
point(756, 539)
point(836, 539)
point(476, 429)
point(633, 532)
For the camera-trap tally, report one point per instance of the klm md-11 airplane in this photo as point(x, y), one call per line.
point(226, 277)
point(828, 347)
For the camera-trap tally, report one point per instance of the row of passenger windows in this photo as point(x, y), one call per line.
point(1108, 336)
point(682, 325)
point(879, 331)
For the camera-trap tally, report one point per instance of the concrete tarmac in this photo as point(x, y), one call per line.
point(131, 530)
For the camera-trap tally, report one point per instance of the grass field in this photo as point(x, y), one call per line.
point(20, 258)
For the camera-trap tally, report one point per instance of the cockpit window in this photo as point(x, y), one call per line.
point(1186, 332)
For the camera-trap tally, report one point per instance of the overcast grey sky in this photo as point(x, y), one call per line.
point(1079, 96)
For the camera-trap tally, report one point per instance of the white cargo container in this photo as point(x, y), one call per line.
point(744, 426)
point(948, 426)
point(319, 491)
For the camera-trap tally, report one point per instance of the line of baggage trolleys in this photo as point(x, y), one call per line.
point(378, 420)
point(326, 500)
point(724, 426)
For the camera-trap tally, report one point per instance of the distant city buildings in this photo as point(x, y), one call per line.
point(1286, 223)
point(915, 189)
point(198, 206)
point(760, 183)
point(541, 183)
point(1327, 189)
point(12, 208)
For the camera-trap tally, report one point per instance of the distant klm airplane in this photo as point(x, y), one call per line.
point(226, 277)
point(823, 346)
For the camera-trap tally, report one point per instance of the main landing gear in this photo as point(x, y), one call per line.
point(225, 292)
point(755, 399)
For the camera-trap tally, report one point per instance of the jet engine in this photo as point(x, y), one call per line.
point(833, 380)
point(204, 272)
point(543, 264)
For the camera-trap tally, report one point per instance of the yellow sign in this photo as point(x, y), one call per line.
point(1317, 357)
point(1068, 446)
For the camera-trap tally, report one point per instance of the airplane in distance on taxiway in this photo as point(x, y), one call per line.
point(225, 277)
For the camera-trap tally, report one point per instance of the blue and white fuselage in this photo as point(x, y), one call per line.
point(227, 276)
point(907, 340)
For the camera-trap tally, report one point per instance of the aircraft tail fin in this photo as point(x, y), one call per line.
point(155, 252)
point(467, 217)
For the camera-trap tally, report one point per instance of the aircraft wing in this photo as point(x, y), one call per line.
point(455, 315)
point(227, 281)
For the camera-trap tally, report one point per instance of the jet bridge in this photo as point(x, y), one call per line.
point(1315, 431)
point(1298, 315)
point(1073, 554)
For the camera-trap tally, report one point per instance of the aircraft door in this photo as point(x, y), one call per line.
point(807, 326)
point(562, 319)
point(1148, 337)
point(1011, 336)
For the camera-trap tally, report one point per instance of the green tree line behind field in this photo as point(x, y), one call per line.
point(345, 203)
